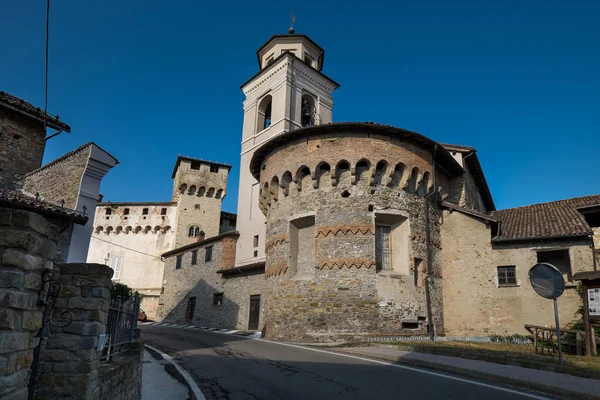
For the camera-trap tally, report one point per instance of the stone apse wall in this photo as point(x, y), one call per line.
point(68, 363)
point(344, 184)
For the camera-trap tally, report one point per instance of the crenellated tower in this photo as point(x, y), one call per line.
point(199, 187)
point(288, 92)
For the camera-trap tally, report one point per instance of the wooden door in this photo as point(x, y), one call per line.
point(254, 312)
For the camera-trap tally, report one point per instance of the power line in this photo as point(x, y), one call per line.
point(46, 82)
point(127, 248)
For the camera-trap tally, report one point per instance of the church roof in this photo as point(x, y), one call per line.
point(290, 35)
point(443, 157)
point(553, 220)
point(25, 108)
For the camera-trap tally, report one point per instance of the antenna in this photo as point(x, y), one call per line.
point(292, 20)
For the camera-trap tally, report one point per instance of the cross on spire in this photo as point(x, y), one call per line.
point(292, 20)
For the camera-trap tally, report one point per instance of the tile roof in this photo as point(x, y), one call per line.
point(190, 246)
point(557, 219)
point(18, 199)
point(24, 107)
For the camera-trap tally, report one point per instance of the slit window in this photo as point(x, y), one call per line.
point(507, 275)
point(208, 254)
point(194, 257)
point(178, 262)
point(191, 307)
point(256, 241)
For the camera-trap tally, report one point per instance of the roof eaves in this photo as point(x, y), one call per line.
point(463, 210)
point(187, 247)
point(534, 239)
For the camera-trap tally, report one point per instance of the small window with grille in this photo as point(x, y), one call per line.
point(383, 248)
point(507, 275)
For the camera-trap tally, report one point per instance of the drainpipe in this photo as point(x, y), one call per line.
point(430, 325)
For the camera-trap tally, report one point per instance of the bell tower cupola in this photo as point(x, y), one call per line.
point(288, 92)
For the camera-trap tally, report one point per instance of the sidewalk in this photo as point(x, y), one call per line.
point(157, 383)
point(545, 381)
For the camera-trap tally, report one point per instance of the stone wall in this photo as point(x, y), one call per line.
point(347, 298)
point(474, 304)
point(122, 379)
point(21, 145)
point(199, 194)
point(27, 246)
point(202, 282)
point(60, 179)
point(70, 362)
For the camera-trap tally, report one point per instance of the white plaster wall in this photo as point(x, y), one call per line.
point(285, 81)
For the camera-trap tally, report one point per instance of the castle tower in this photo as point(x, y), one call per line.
point(199, 187)
point(288, 92)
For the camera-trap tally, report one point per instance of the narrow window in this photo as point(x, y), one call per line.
point(308, 59)
point(163, 211)
point(194, 257)
point(270, 59)
point(126, 211)
point(214, 168)
point(208, 254)
point(255, 253)
point(302, 247)
point(195, 165)
point(507, 275)
point(267, 116)
point(109, 211)
point(217, 299)
point(196, 232)
point(116, 264)
point(191, 307)
point(191, 231)
point(383, 248)
point(178, 262)
point(308, 110)
point(264, 113)
point(256, 241)
point(144, 211)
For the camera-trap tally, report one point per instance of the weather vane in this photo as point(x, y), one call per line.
point(292, 20)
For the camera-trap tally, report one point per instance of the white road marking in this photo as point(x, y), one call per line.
point(391, 364)
point(190, 381)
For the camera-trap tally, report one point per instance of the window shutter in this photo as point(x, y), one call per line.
point(115, 264)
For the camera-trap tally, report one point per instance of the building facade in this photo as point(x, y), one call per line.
point(354, 230)
point(131, 237)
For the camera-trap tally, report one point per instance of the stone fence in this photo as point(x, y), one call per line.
point(68, 360)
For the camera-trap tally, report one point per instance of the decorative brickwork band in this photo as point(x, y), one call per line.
point(276, 241)
point(341, 263)
point(276, 270)
point(344, 230)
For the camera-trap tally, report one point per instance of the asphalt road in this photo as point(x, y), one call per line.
point(228, 367)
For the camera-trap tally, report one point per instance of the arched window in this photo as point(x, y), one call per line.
point(307, 110)
point(264, 113)
point(191, 231)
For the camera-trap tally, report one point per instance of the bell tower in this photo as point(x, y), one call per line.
point(288, 92)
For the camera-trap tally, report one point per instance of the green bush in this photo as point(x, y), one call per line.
point(122, 290)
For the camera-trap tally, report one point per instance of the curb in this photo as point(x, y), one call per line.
point(178, 373)
point(549, 390)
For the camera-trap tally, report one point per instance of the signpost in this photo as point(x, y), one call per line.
point(548, 282)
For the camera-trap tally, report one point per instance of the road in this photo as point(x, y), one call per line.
point(228, 367)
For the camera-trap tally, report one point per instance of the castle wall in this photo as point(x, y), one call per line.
point(138, 240)
point(199, 194)
point(474, 304)
point(346, 297)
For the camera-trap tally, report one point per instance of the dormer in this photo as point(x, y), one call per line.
point(299, 45)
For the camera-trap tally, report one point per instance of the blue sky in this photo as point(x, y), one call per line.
point(148, 80)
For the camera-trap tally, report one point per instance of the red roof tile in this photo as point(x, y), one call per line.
point(557, 219)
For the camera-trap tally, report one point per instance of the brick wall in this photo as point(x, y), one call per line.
point(27, 246)
point(60, 180)
point(21, 145)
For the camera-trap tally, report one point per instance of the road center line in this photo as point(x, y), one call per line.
point(395, 365)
